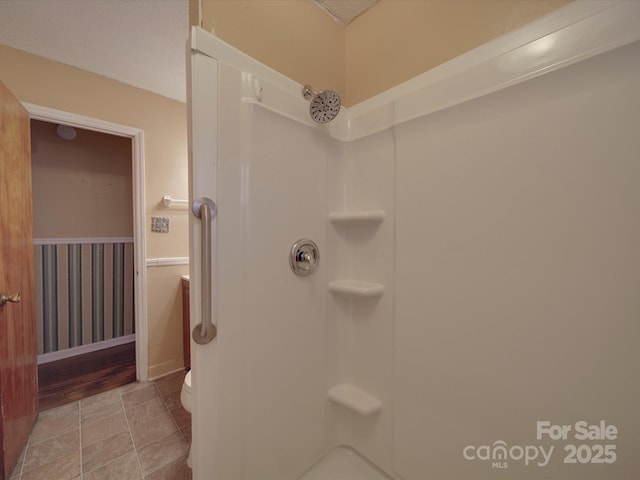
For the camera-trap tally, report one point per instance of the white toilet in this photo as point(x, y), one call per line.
point(185, 399)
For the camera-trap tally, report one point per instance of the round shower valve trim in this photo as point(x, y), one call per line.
point(304, 257)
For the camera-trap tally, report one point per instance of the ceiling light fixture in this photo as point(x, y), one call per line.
point(66, 132)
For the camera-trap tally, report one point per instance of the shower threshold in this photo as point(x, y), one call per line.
point(344, 463)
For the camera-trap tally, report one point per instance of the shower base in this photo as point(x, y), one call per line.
point(344, 463)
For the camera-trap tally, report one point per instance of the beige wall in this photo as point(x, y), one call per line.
point(165, 308)
point(82, 187)
point(294, 37)
point(415, 36)
point(44, 82)
point(298, 39)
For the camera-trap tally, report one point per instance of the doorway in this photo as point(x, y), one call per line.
point(94, 336)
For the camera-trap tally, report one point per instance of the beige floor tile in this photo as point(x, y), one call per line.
point(176, 470)
point(140, 395)
point(170, 383)
point(95, 431)
point(186, 433)
point(130, 387)
point(60, 411)
point(181, 416)
point(162, 452)
point(146, 411)
point(101, 422)
point(17, 470)
point(102, 404)
point(64, 468)
point(172, 400)
point(123, 468)
point(49, 426)
point(103, 411)
point(103, 452)
point(47, 451)
point(144, 433)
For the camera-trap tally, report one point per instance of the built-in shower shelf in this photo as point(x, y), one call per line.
point(355, 399)
point(356, 288)
point(361, 217)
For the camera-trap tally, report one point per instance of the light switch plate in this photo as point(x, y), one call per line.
point(160, 224)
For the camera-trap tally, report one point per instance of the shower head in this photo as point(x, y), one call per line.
point(324, 106)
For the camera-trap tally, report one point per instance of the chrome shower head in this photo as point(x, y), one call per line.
point(324, 106)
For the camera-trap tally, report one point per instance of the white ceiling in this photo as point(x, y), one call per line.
point(346, 10)
point(138, 42)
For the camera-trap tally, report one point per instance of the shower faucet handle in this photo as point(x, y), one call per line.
point(307, 260)
point(304, 257)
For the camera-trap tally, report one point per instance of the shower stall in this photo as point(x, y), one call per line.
point(470, 248)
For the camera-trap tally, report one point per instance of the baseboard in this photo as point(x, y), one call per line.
point(92, 347)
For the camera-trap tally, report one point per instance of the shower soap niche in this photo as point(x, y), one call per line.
point(356, 288)
point(355, 399)
point(362, 217)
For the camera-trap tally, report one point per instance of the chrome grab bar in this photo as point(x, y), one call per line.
point(205, 210)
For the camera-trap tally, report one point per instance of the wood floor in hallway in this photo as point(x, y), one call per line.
point(75, 378)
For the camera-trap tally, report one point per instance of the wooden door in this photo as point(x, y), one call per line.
point(18, 365)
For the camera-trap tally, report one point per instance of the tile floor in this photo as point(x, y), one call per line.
point(136, 432)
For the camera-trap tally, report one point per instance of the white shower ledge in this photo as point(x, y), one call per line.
point(350, 288)
point(355, 399)
point(357, 217)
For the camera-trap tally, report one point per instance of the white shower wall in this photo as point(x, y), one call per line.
point(360, 330)
point(517, 269)
point(270, 370)
point(507, 253)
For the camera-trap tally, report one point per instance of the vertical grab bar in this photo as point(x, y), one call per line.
point(205, 210)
